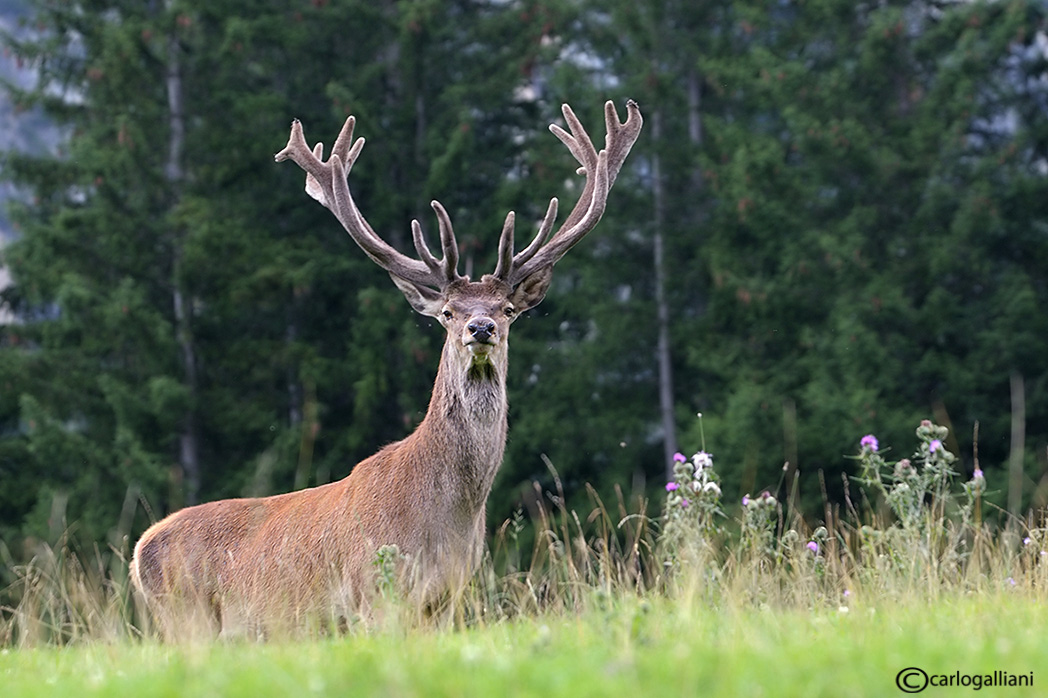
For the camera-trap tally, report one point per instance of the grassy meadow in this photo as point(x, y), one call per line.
point(632, 647)
point(916, 592)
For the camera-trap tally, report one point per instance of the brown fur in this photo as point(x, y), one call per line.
point(314, 550)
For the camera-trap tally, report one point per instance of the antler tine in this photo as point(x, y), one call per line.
point(542, 235)
point(506, 259)
point(620, 136)
point(326, 182)
point(345, 147)
point(447, 243)
point(313, 187)
point(578, 141)
point(298, 152)
point(422, 248)
point(508, 262)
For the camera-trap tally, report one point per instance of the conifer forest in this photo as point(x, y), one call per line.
point(835, 223)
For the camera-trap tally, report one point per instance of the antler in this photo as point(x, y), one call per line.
point(326, 182)
point(600, 170)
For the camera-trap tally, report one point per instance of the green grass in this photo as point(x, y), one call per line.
point(693, 603)
point(632, 647)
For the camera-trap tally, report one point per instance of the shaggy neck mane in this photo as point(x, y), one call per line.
point(464, 431)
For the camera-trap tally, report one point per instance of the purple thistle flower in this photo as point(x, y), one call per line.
point(869, 441)
point(813, 546)
point(679, 458)
point(934, 446)
point(671, 486)
point(745, 500)
point(684, 503)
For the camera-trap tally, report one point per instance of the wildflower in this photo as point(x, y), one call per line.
point(869, 442)
point(904, 468)
point(847, 593)
point(767, 499)
point(813, 546)
point(745, 500)
point(702, 460)
point(978, 474)
point(684, 503)
point(1011, 581)
point(679, 458)
point(1027, 540)
point(934, 446)
point(671, 486)
point(712, 487)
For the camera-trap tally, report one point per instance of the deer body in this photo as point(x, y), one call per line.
point(313, 551)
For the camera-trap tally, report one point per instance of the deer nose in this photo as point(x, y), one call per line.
point(481, 328)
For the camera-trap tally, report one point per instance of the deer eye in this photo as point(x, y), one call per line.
point(510, 311)
point(447, 314)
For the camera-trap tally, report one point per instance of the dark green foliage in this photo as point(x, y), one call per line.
point(853, 207)
point(306, 359)
point(861, 175)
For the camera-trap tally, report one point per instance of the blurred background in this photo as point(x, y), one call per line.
point(835, 223)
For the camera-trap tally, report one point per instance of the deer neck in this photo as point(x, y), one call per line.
point(465, 426)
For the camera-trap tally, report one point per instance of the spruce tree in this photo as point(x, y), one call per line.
point(192, 325)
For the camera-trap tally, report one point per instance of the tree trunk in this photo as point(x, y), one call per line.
point(188, 439)
point(694, 112)
point(662, 312)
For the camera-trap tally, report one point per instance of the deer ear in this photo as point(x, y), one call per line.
point(422, 298)
point(530, 292)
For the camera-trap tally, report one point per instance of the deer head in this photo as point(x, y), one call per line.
point(477, 314)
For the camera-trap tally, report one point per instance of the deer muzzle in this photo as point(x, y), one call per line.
point(481, 335)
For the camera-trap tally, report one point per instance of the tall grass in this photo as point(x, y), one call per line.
point(909, 533)
point(65, 594)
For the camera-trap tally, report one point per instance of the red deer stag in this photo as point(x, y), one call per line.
point(314, 551)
